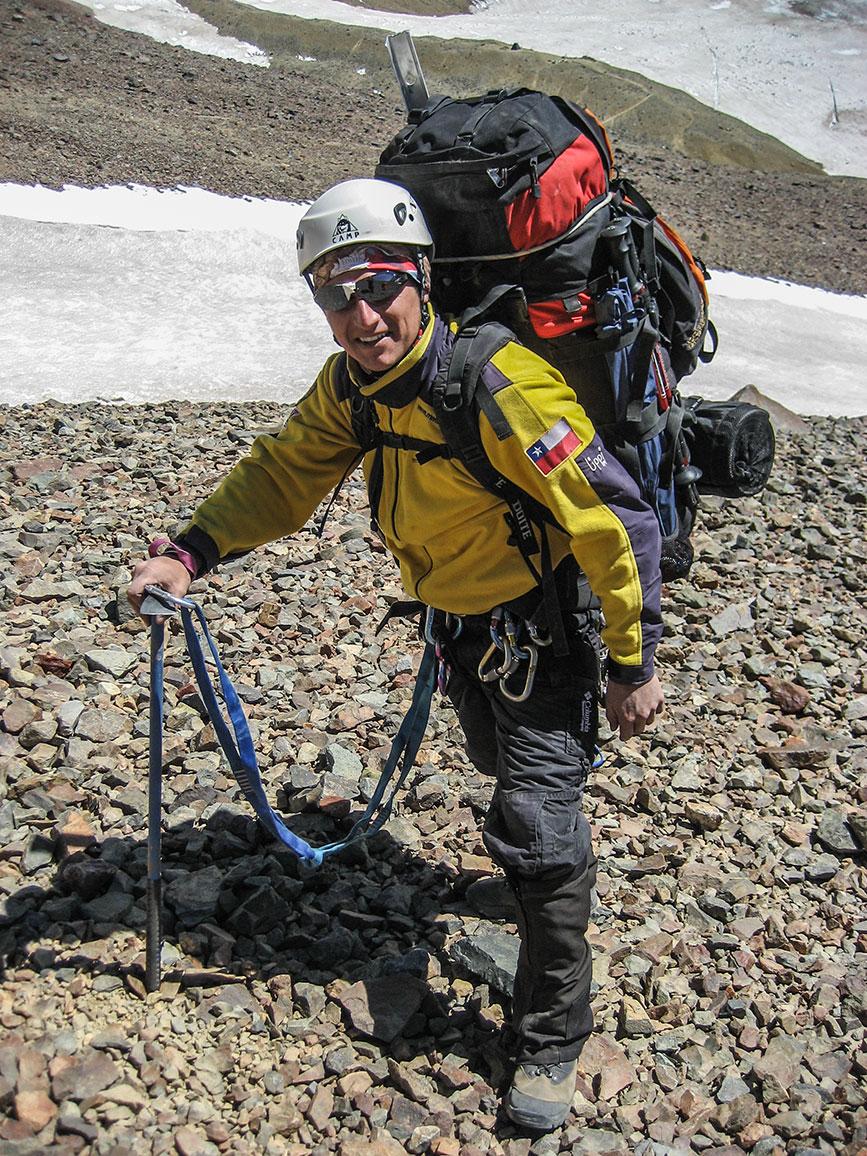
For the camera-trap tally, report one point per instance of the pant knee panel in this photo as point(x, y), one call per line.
point(532, 833)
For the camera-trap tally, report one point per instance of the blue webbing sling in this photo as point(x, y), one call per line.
point(240, 753)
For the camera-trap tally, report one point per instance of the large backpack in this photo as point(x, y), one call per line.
point(531, 229)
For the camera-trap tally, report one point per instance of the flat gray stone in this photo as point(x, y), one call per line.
point(490, 955)
point(834, 834)
point(111, 660)
point(381, 1007)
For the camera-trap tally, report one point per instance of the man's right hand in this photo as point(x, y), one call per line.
point(631, 709)
point(167, 573)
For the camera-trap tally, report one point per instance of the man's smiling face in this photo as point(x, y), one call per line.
point(377, 334)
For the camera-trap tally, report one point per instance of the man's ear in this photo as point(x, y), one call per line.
point(424, 267)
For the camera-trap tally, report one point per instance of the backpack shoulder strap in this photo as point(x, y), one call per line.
point(459, 395)
point(364, 424)
point(457, 387)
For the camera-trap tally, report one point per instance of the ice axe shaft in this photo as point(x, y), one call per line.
point(408, 71)
point(153, 606)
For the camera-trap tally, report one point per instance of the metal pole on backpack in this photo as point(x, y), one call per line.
point(404, 61)
point(153, 607)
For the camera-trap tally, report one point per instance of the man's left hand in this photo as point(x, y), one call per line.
point(633, 708)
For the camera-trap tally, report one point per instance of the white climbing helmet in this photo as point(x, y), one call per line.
point(355, 212)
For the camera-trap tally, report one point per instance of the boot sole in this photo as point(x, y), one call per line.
point(535, 1115)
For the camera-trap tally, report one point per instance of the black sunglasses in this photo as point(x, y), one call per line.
point(376, 289)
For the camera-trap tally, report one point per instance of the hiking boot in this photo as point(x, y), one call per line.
point(493, 898)
point(541, 1095)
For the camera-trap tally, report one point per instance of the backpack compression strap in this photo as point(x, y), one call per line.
point(241, 755)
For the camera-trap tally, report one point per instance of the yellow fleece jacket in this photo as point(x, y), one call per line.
point(446, 532)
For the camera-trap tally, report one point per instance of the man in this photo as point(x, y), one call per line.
point(529, 714)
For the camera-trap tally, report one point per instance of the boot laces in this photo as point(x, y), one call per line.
point(550, 1071)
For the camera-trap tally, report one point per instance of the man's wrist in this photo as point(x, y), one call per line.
point(165, 548)
point(629, 675)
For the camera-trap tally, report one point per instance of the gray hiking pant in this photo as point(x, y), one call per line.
point(540, 752)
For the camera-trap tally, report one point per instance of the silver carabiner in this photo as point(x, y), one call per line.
point(497, 644)
point(494, 672)
point(428, 625)
point(530, 654)
point(535, 637)
point(453, 623)
point(451, 619)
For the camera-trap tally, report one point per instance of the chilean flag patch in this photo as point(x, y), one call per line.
point(554, 447)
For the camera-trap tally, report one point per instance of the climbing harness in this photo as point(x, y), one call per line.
point(504, 656)
point(504, 642)
point(237, 743)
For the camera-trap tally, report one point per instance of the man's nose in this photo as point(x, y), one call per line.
point(364, 311)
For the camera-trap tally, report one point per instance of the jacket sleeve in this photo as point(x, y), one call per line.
point(274, 490)
point(558, 458)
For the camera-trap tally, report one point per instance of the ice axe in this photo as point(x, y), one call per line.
point(155, 608)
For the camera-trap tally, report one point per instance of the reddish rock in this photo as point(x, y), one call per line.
point(321, 1107)
point(351, 716)
point(11, 1129)
point(606, 1063)
point(789, 696)
point(19, 714)
point(73, 832)
point(453, 1077)
point(24, 470)
point(52, 664)
point(82, 1080)
point(382, 1144)
point(796, 754)
point(35, 1109)
point(32, 1071)
point(190, 1142)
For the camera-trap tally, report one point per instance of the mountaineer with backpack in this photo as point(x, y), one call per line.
point(518, 542)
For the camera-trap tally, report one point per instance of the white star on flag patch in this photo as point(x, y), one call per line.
point(554, 447)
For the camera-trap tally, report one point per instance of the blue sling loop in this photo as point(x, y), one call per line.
point(241, 755)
